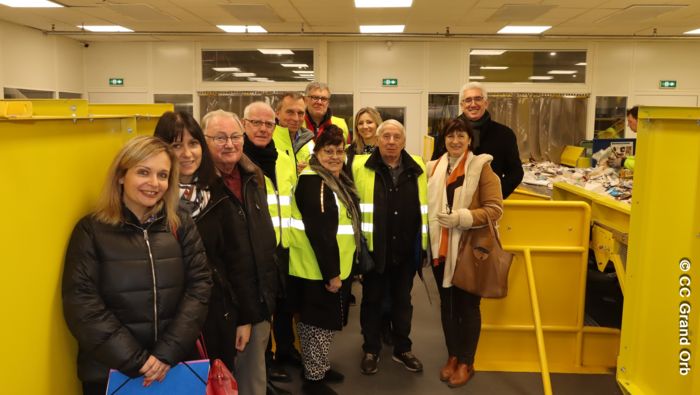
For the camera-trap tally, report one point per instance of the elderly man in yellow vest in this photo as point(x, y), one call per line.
point(318, 113)
point(393, 201)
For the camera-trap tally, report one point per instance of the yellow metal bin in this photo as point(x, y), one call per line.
point(659, 350)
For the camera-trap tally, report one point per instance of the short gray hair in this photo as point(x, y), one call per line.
point(257, 104)
point(312, 86)
point(473, 85)
point(219, 114)
point(391, 122)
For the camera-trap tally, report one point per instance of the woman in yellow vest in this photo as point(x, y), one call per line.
point(462, 192)
point(324, 234)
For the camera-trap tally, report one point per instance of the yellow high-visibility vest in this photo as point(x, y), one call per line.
point(279, 198)
point(364, 181)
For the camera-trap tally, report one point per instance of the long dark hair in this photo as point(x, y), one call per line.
point(171, 128)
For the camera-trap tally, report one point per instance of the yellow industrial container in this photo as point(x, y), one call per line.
point(659, 353)
point(539, 326)
point(53, 168)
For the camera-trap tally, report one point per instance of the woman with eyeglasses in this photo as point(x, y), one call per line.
point(136, 283)
point(365, 133)
point(203, 195)
point(462, 192)
point(325, 232)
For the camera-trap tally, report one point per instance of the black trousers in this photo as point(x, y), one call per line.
point(94, 388)
point(461, 319)
point(282, 322)
point(399, 282)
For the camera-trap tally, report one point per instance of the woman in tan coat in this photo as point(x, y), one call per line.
point(462, 192)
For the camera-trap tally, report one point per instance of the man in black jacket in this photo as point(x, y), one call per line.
point(255, 239)
point(490, 137)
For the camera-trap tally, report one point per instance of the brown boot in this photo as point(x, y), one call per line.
point(448, 370)
point(461, 376)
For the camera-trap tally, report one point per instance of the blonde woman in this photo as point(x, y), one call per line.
point(135, 283)
point(365, 133)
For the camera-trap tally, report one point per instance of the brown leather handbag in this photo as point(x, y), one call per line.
point(482, 265)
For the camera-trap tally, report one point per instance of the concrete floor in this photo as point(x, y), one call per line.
point(428, 346)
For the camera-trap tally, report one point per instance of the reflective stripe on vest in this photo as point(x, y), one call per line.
point(364, 181)
point(302, 260)
point(279, 199)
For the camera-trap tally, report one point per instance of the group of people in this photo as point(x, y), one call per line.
point(244, 227)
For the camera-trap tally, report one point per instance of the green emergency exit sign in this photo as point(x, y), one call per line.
point(116, 81)
point(390, 82)
point(668, 84)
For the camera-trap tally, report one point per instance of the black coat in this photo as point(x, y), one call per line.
point(216, 225)
point(258, 286)
point(121, 305)
point(500, 142)
point(397, 218)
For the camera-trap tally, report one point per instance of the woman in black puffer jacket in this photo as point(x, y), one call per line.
point(136, 282)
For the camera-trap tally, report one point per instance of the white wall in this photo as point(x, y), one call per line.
point(32, 60)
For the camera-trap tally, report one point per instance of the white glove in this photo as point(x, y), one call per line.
point(448, 220)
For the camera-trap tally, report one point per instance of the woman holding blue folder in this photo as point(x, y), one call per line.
point(136, 282)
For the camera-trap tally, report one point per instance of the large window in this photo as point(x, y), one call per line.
point(538, 66)
point(341, 104)
point(260, 65)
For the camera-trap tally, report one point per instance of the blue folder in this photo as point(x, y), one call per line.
point(185, 378)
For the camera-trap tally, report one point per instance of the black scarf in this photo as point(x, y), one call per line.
point(265, 157)
point(477, 126)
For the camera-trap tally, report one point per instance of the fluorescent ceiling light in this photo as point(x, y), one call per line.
point(30, 4)
point(580, 64)
point(696, 31)
point(106, 29)
point(540, 77)
point(298, 65)
point(563, 72)
point(487, 52)
point(242, 29)
point(232, 28)
point(381, 28)
point(259, 79)
point(494, 67)
point(477, 77)
point(570, 96)
point(244, 74)
point(303, 76)
point(303, 71)
point(510, 29)
point(276, 51)
point(226, 69)
point(383, 3)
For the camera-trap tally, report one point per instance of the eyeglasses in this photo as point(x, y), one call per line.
point(322, 99)
point(221, 139)
point(257, 123)
point(333, 152)
point(475, 99)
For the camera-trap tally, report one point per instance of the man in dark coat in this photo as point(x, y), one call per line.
point(256, 242)
point(490, 137)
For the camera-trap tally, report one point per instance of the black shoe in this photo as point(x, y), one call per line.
point(369, 363)
point(276, 372)
point(409, 361)
point(317, 388)
point(290, 358)
point(274, 390)
point(333, 376)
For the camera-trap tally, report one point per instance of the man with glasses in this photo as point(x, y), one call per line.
point(255, 238)
point(318, 115)
point(290, 135)
point(490, 137)
point(280, 177)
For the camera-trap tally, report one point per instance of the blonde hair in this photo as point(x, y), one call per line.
point(376, 118)
point(109, 207)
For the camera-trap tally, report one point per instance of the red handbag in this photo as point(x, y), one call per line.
point(220, 380)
